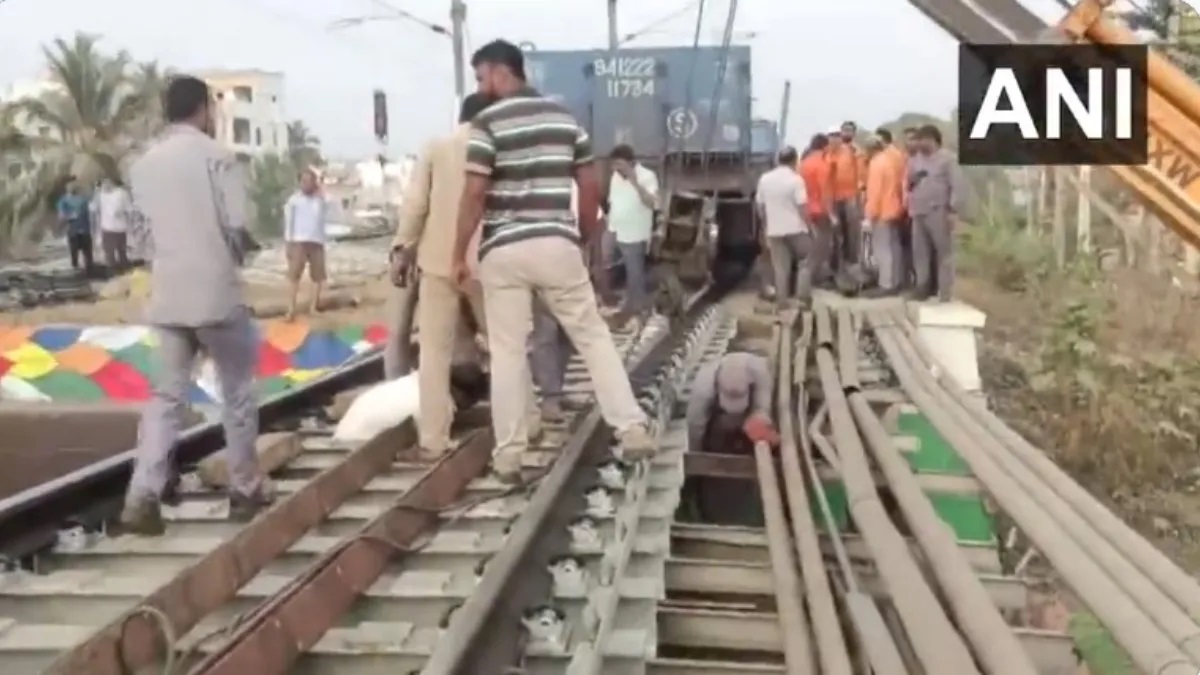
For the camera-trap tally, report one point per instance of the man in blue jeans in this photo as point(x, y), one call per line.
point(632, 200)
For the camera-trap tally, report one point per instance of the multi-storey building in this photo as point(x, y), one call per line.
point(250, 115)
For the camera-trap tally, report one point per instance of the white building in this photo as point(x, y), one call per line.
point(250, 115)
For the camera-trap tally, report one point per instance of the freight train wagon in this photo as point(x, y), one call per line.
point(685, 114)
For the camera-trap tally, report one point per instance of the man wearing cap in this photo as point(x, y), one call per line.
point(728, 412)
point(730, 406)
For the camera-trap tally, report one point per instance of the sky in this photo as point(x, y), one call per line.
point(866, 60)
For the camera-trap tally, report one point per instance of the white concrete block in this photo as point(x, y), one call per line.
point(948, 331)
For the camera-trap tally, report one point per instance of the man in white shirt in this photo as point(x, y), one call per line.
point(304, 239)
point(114, 225)
point(780, 201)
point(632, 199)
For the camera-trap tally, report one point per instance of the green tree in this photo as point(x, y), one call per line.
point(1160, 19)
point(102, 106)
point(304, 148)
point(91, 110)
point(272, 180)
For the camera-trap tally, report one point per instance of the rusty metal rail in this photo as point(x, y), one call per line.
point(166, 602)
point(30, 521)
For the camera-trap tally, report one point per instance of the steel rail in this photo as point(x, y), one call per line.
point(290, 622)
point(1168, 576)
point(993, 640)
point(934, 639)
point(296, 618)
point(793, 626)
point(604, 598)
point(135, 639)
point(1147, 644)
point(30, 520)
point(827, 626)
point(880, 651)
point(1182, 629)
point(486, 633)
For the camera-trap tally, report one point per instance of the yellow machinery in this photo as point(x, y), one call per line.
point(1170, 182)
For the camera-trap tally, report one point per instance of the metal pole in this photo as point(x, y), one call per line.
point(783, 112)
point(613, 40)
point(458, 20)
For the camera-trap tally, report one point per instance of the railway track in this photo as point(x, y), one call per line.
point(372, 564)
point(213, 590)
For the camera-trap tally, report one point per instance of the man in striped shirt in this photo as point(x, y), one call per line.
point(524, 153)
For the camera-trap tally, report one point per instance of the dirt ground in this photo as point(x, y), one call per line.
point(345, 303)
point(1132, 442)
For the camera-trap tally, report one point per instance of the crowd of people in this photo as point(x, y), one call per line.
point(502, 227)
point(839, 211)
point(495, 221)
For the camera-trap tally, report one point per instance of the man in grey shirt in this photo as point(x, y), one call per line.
point(192, 195)
point(729, 410)
point(934, 197)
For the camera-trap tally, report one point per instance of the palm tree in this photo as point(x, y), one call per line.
point(272, 179)
point(304, 148)
point(1154, 16)
point(89, 112)
point(11, 138)
point(148, 82)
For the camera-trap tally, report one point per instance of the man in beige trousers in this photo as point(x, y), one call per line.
point(523, 155)
point(425, 240)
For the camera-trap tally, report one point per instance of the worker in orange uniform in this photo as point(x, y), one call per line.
point(883, 209)
point(817, 177)
point(844, 159)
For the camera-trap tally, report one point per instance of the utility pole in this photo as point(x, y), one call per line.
point(783, 112)
point(613, 41)
point(458, 20)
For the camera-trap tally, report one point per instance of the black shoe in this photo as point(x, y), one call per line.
point(143, 518)
point(243, 508)
point(917, 295)
point(878, 292)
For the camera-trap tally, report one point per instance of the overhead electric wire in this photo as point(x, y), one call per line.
point(660, 21)
point(400, 13)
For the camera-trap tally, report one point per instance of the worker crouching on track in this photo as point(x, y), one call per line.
point(524, 153)
point(728, 412)
point(192, 194)
point(449, 311)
